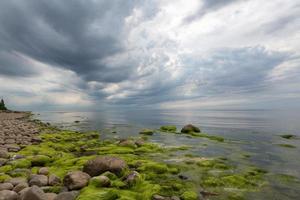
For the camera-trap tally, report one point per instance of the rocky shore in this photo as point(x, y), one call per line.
point(53, 164)
point(16, 131)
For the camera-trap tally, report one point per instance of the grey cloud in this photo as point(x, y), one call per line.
point(74, 35)
point(208, 6)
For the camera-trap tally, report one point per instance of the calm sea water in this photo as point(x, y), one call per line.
point(252, 132)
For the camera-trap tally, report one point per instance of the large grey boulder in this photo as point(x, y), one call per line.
point(76, 180)
point(33, 193)
point(102, 164)
point(8, 195)
point(38, 180)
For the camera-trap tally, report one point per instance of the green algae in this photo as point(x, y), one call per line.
point(189, 195)
point(288, 136)
point(169, 128)
point(147, 132)
point(287, 146)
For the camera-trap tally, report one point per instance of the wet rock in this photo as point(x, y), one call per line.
point(140, 142)
point(102, 164)
point(36, 140)
point(38, 180)
point(8, 195)
point(76, 180)
point(190, 129)
point(20, 187)
point(12, 147)
point(33, 193)
point(100, 181)
point(43, 171)
point(67, 195)
point(16, 181)
point(175, 198)
point(40, 160)
point(6, 186)
point(147, 132)
point(54, 180)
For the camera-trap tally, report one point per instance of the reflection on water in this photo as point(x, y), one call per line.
point(252, 132)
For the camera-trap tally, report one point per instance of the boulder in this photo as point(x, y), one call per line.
point(38, 180)
point(190, 129)
point(100, 181)
point(43, 171)
point(20, 187)
point(102, 164)
point(132, 178)
point(127, 143)
point(54, 180)
point(8, 195)
point(16, 181)
point(157, 197)
point(6, 186)
point(67, 195)
point(3, 161)
point(76, 180)
point(51, 196)
point(33, 193)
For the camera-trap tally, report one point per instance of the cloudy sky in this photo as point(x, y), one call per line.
point(88, 54)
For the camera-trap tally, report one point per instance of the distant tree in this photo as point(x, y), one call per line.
point(2, 105)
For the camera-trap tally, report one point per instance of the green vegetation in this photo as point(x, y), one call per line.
point(288, 136)
point(287, 145)
point(2, 105)
point(169, 128)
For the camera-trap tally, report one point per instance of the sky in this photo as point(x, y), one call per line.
point(93, 54)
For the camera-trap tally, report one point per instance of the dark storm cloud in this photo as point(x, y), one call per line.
point(208, 6)
point(75, 35)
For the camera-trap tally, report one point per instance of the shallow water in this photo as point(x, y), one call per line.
point(247, 132)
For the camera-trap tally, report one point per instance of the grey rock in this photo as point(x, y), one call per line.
point(33, 193)
point(51, 196)
point(102, 164)
point(16, 181)
point(20, 187)
point(38, 180)
point(6, 186)
point(54, 180)
point(8, 195)
point(67, 195)
point(43, 171)
point(157, 197)
point(76, 180)
point(132, 178)
point(101, 181)
point(4, 154)
point(190, 129)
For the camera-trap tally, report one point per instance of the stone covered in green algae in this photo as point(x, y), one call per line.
point(147, 132)
point(288, 136)
point(169, 128)
point(189, 195)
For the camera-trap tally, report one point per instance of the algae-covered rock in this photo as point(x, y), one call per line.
point(54, 180)
point(127, 143)
point(39, 160)
point(288, 136)
point(190, 129)
point(102, 164)
point(189, 195)
point(100, 181)
point(169, 128)
point(76, 180)
point(132, 178)
point(147, 132)
point(67, 195)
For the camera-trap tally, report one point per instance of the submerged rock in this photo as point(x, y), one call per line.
point(169, 128)
point(102, 164)
point(76, 180)
point(190, 129)
point(147, 132)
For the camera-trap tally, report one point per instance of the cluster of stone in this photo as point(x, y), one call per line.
point(16, 131)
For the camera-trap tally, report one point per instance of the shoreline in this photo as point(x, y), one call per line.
point(65, 164)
